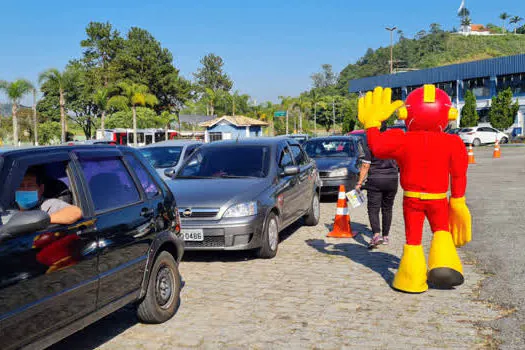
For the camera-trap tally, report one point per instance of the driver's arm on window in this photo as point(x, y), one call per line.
point(61, 212)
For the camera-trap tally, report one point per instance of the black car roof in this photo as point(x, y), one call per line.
point(45, 149)
point(333, 138)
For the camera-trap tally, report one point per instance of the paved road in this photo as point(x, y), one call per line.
point(496, 197)
point(317, 293)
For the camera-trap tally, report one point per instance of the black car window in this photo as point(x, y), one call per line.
point(189, 151)
point(285, 159)
point(147, 183)
point(330, 148)
point(110, 183)
point(298, 155)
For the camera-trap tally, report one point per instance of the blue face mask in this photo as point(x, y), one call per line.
point(26, 199)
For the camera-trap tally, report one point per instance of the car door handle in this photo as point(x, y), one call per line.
point(147, 212)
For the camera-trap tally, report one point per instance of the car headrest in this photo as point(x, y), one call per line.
point(54, 188)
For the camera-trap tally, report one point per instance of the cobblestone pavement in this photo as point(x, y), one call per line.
point(317, 293)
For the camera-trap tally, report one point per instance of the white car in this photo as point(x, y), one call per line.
point(479, 135)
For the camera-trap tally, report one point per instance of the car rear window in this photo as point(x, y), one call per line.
point(330, 148)
point(162, 157)
point(227, 161)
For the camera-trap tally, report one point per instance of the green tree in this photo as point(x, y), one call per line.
point(503, 111)
point(146, 118)
point(49, 132)
point(101, 47)
point(61, 81)
point(504, 16)
point(15, 91)
point(469, 114)
point(515, 20)
point(211, 74)
point(133, 95)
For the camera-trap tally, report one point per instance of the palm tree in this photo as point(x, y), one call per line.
point(133, 95)
point(101, 99)
point(62, 82)
point(35, 123)
point(466, 21)
point(286, 102)
point(302, 104)
point(504, 16)
point(515, 20)
point(15, 91)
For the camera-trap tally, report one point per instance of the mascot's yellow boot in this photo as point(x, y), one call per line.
point(443, 261)
point(411, 276)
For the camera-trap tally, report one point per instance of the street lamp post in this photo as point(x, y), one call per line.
point(391, 30)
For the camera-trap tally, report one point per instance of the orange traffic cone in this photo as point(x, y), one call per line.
point(341, 227)
point(471, 159)
point(497, 152)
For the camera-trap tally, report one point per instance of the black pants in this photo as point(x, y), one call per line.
point(381, 193)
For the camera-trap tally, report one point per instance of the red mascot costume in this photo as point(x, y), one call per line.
point(429, 160)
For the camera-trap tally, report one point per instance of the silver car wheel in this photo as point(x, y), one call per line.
point(273, 234)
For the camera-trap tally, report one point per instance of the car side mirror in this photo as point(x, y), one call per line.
point(23, 223)
point(290, 170)
point(169, 172)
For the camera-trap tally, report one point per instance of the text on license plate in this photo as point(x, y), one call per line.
point(192, 235)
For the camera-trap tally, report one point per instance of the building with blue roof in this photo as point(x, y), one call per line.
point(485, 78)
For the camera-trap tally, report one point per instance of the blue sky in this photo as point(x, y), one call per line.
point(270, 48)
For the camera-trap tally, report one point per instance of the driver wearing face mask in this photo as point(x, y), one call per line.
point(29, 197)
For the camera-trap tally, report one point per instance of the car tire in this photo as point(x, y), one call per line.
point(476, 142)
point(504, 140)
point(314, 213)
point(163, 293)
point(270, 238)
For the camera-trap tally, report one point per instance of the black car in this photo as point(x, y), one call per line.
point(238, 195)
point(56, 279)
point(338, 161)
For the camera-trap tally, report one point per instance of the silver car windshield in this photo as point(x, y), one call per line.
point(227, 162)
point(162, 157)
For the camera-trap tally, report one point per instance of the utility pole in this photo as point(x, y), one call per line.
point(286, 121)
point(333, 110)
point(391, 48)
point(315, 119)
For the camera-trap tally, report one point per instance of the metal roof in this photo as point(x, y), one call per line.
point(476, 69)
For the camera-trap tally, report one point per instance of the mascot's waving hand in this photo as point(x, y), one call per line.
point(429, 161)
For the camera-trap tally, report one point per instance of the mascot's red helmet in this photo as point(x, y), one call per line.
point(427, 109)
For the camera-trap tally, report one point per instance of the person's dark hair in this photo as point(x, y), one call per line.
point(38, 172)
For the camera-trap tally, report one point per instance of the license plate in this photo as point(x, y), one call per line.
point(192, 235)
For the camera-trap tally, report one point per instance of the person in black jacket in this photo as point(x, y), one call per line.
point(381, 186)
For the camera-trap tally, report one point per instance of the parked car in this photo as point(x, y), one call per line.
point(338, 160)
point(167, 156)
point(479, 135)
point(358, 133)
point(238, 195)
point(301, 138)
point(453, 131)
point(56, 279)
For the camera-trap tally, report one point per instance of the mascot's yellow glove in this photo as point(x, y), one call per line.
point(460, 222)
point(374, 108)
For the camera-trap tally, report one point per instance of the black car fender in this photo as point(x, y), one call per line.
point(166, 240)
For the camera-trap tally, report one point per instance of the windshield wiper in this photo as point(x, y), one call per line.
point(194, 177)
point(236, 177)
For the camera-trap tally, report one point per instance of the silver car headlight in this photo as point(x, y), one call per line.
point(240, 210)
point(338, 172)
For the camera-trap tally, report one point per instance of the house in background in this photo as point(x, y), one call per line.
point(232, 127)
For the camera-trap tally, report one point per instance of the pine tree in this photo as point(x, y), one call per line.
point(469, 115)
point(503, 112)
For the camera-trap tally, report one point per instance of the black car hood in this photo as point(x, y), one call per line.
point(215, 193)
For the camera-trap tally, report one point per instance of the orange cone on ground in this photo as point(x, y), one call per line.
point(341, 227)
point(471, 159)
point(497, 152)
